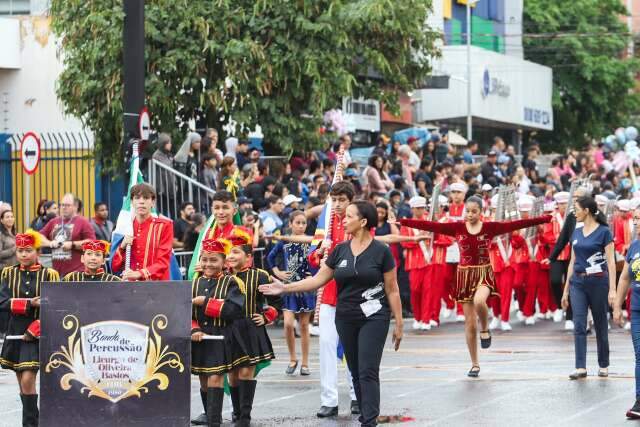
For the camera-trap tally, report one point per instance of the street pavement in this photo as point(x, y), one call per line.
point(523, 382)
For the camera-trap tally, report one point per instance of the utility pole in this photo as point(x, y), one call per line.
point(469, 116)
point(133, 55)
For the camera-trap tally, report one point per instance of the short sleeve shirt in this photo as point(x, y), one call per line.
point(590, 257)
point(360, 281)
point(633, 259)
point(76, 229)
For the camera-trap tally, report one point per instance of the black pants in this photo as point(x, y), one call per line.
point(363, 342)
point(558, 274)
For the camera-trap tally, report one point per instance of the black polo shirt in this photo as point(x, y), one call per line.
point(360, 280)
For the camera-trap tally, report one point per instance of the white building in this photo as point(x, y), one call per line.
point(510, 97)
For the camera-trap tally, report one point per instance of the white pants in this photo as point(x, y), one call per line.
point(329, 358)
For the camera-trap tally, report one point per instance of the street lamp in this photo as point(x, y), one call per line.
point(469, 117)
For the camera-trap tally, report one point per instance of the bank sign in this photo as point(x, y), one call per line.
point(492, 85)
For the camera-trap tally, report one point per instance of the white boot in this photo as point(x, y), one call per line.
point(627, 326)
point(446, 313)
point(495, 323)
point(433, 323)
point(557, 316)
point(568, 325)
point(505, 326)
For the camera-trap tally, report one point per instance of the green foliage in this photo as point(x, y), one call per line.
point(279, 64)
point(585, 43)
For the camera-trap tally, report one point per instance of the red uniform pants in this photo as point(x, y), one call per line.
point(505, 288)
point(419, 285)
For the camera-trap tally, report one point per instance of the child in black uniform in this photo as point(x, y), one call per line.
point(94, 255)
point(250, 334)
point(217, 302)
point(20, 296)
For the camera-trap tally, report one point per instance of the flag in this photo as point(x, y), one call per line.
point(124, 224)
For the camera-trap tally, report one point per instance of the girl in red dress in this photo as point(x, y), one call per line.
point(475, 281)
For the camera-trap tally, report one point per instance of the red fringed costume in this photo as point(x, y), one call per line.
point(475, 268)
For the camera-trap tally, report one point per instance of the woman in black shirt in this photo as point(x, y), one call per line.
point(365, 273)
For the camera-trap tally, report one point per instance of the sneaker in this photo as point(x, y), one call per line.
point(520, 316)
point(539, 316)
point(634, 413)
point(433, 323)
point(530, 321)
point(446, 313)
point(627, 326)
point(495, 322)
point(416, 325)
point(548, 315)
point(425, 326)
point(460, 318)
point(314, 331)
point(568, 325)
point(557, 316)
point(505, 326)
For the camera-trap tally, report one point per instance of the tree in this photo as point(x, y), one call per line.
point(584, 42)
point(279, 64)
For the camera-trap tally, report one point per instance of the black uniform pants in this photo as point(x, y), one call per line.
point(363, 342)
point(558, 272)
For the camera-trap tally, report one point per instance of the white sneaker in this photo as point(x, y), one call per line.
point(539, 316)
point(548, 315)
point(514, 305)
point(314, 331)
point(568, 325)
point(433, 323)
point(446, 313)
point(557, 316)
point(416, 325)
point(495, 322)
point(627, 326)
point(520, 316)
point(505, 326)
point(530, 321)
point(460, 318)
point(425, 326)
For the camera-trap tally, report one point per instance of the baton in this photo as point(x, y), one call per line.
point(16, 337)
point(213, 337)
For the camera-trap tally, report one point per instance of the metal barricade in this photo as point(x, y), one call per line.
point(174, 188)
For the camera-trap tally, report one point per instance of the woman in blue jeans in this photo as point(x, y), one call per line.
point(631, 277)
point(591, 283)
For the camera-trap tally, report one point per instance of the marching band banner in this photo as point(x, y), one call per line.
point(115, 354)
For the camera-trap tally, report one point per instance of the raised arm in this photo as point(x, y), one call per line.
point(447, 228)
point(497, 228)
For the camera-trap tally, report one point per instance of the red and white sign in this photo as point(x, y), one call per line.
point(30, 153)
point(144, 124)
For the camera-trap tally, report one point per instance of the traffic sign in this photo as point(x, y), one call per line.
point(144, 124)
point(30, 153)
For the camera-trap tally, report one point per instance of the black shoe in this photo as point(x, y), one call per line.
point(305, 371)
point(201, 420)
point(214, 406)
point(291, 369)
point(474, 372)
point(577, 375)
point(355, 407)
point(235, 401)
point(485, 342)
point(634, 413)
point(327, 411)
point(247, 393)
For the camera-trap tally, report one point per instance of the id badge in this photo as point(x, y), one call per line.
point(593, 269)
point(370, 307)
